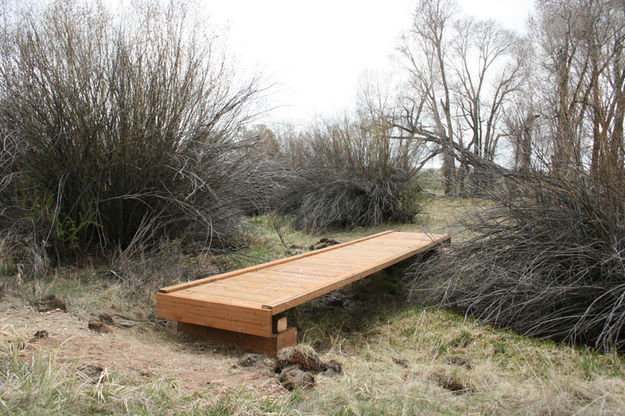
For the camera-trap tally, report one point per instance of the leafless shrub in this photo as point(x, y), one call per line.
point(547, 260)
point(349, 174)
point(321, 199)
point(266, 173)
point(119, 130)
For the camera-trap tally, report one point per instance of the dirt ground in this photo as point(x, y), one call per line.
point(145, 352)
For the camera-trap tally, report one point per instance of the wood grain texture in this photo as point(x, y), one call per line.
point(264, 265)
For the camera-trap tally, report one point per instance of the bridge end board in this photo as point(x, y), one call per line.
point(246, 320)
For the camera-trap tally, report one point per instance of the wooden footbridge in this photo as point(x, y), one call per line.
point(246, 307)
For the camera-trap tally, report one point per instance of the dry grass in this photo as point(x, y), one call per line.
point(438, 215)
point(404, 366)
point(396, 358)
point(45, 385)
point(398, 364)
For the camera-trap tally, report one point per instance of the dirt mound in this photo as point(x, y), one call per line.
point(295, 365)
point(449, 380)
point(323, 243)
point(302, 356)
point(400, 362)
point(333, 367)
point(95, 324)
point(91, 372)
point(50, 303)
point(460, 361)
point(293, 377)
point(41, 334)
point(251, 360)
point(106, 318)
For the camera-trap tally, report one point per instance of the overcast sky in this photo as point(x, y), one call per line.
point(316, 51)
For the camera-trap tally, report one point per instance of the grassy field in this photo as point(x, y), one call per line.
point(397, 358)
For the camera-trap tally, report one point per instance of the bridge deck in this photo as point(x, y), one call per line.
point(245, 301)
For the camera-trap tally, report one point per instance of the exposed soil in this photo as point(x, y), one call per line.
point(41, 334)
point(93, 372)
point(139, 350)
point(305, 358)
point(400, 362)
point(460, 361)
point(106, 318)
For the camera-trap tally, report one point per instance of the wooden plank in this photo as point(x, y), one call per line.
point(267, 290)
point(250, 285)
point(282, 276)
point(252, 295)
point(272, 277)
point(238, 295)
point(256, 296)
point(216, 320)
point(174, 288)
point(308, 270)
point(219, 295)
point(325, 264)
point(367, 252)
point(269, 345)
point(218, 299)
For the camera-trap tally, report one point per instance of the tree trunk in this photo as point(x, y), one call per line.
point(449, 173)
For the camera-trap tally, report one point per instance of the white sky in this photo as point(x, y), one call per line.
point(316, 51)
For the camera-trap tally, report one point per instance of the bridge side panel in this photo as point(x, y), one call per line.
point(349, 278)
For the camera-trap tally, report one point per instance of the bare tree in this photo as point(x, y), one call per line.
point(520, 124)
point(582, 82)
point(427, 111)
point(462, 74)
point(377, 108)
point(546, 258)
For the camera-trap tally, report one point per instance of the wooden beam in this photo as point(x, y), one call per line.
point(281, 324)
point(268, 345)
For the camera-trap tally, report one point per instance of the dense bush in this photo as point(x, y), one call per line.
point(547, 260)
point(119, 130)
point(322, 199)
point(348, 174)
